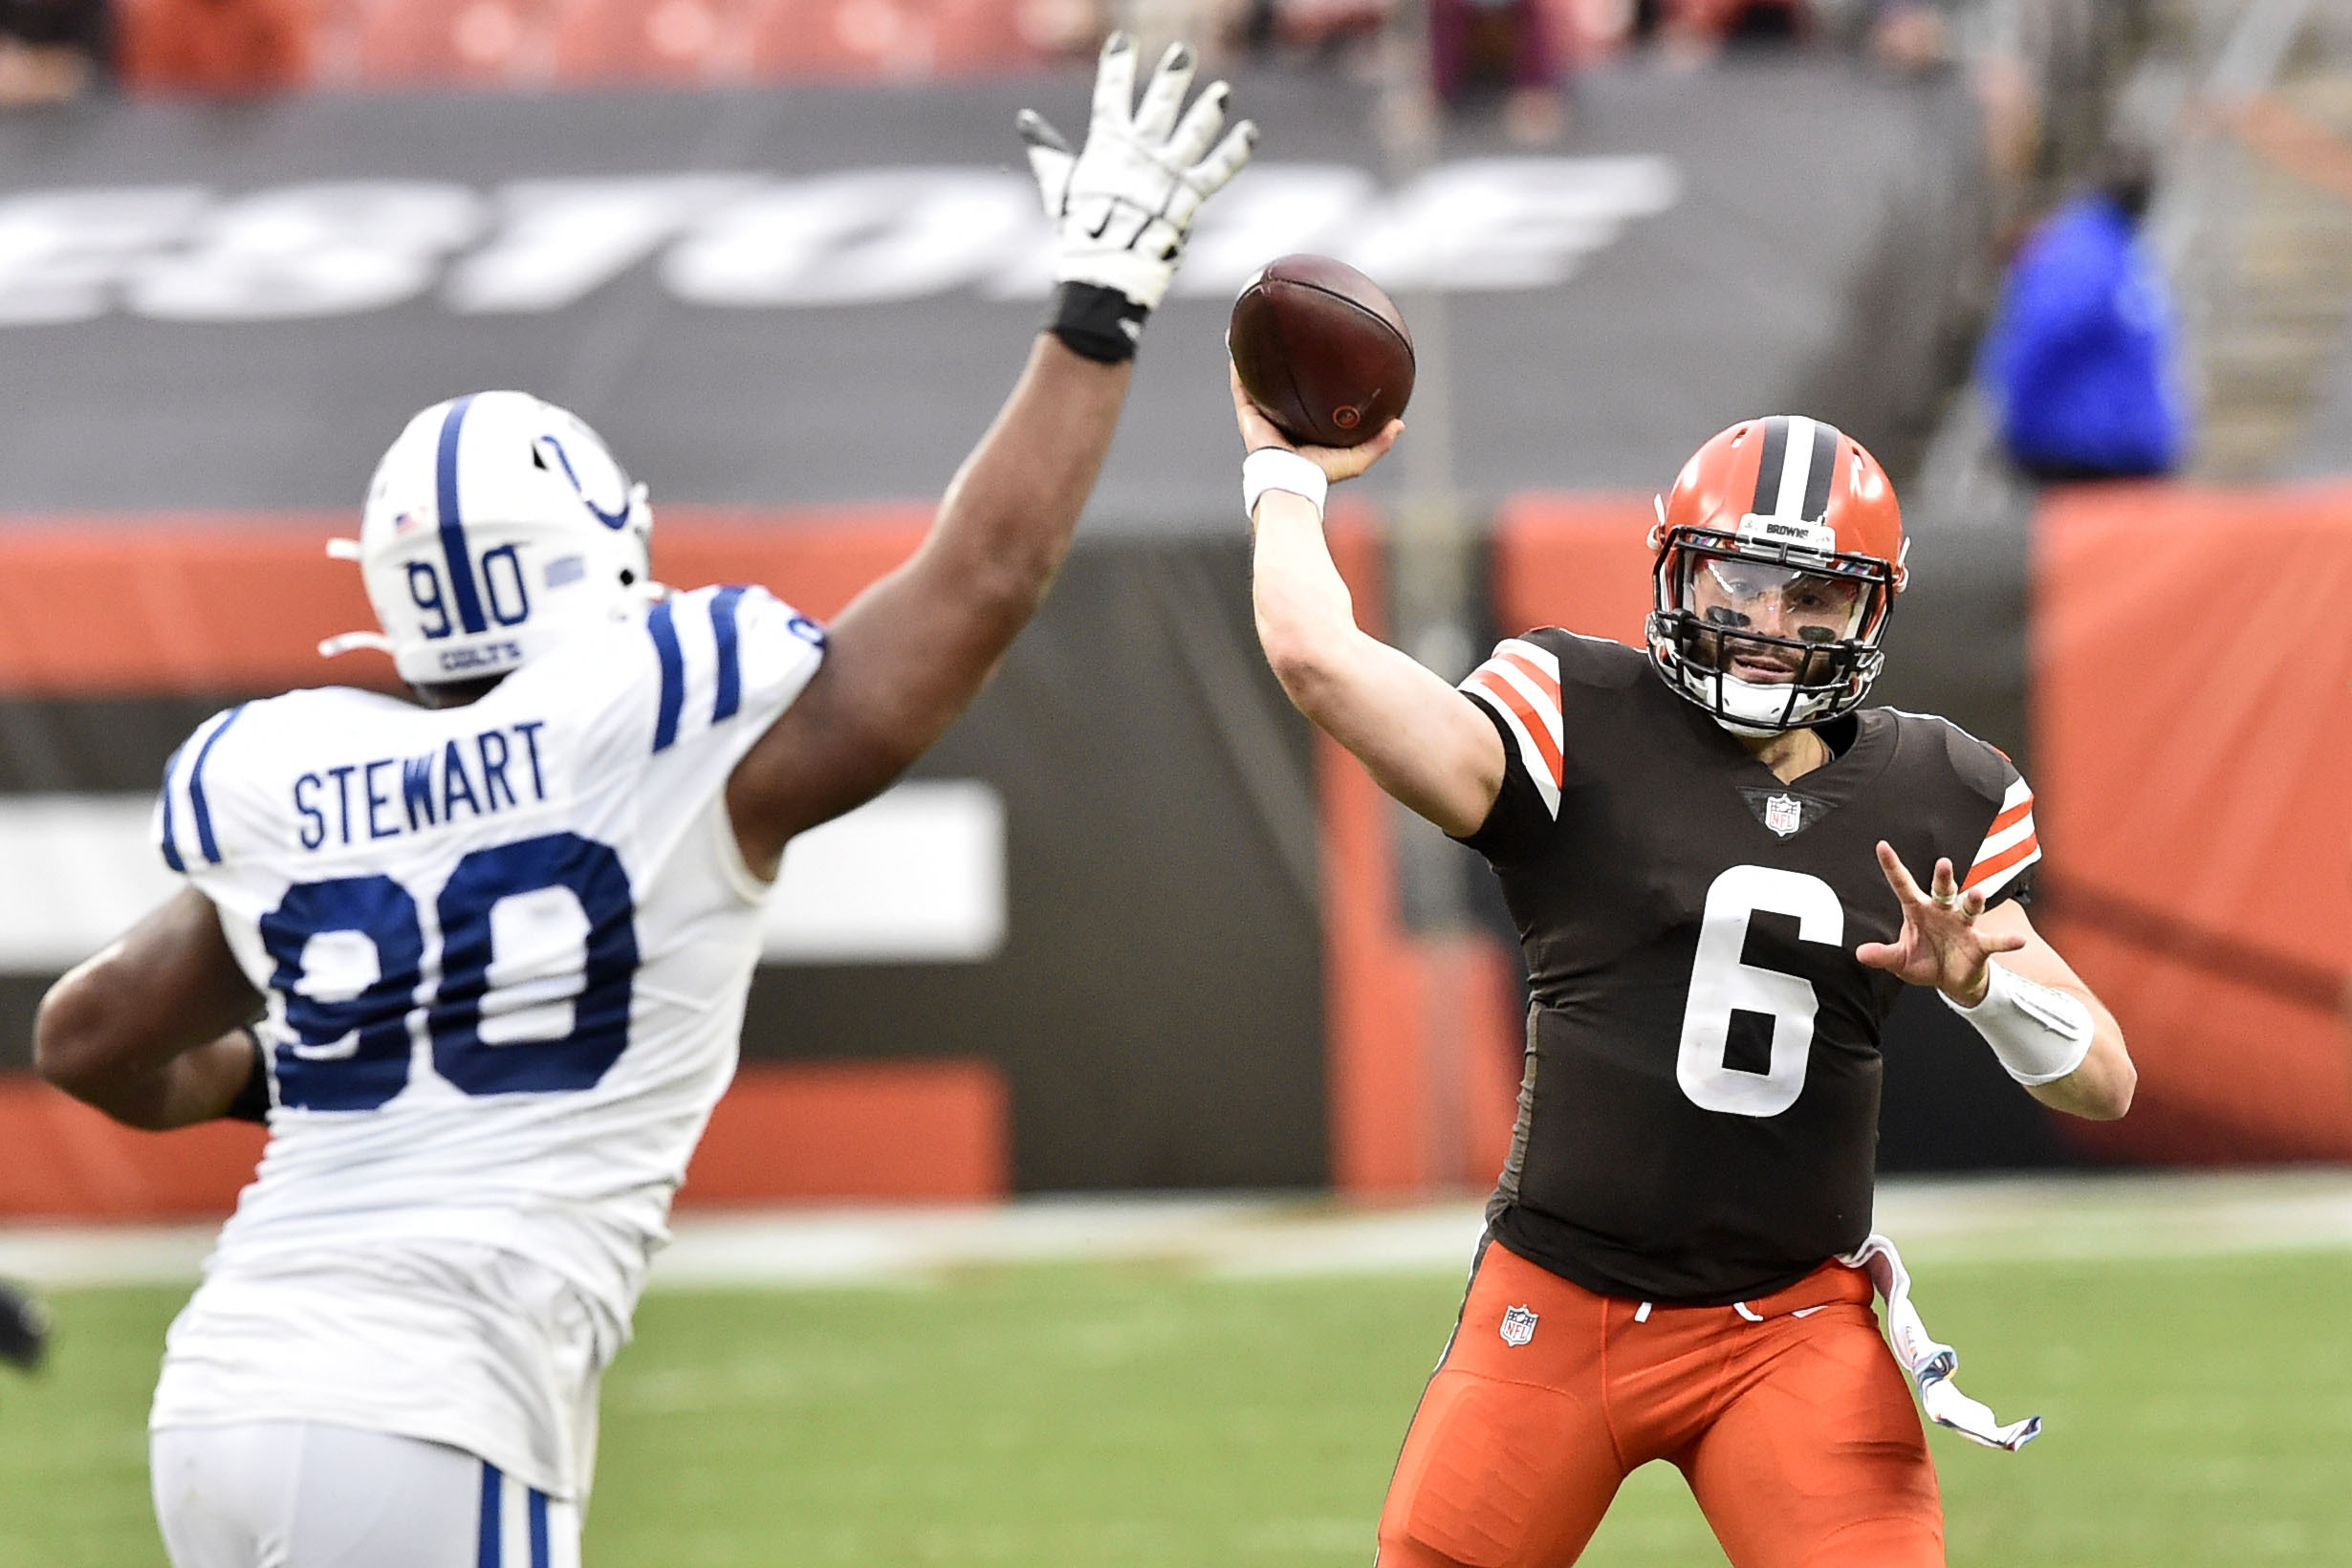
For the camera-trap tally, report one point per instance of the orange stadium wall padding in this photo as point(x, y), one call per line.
point(931, 1130)
point(2192, 740)
point(94, 606)
point(1578, 561)
point(1424, 1034)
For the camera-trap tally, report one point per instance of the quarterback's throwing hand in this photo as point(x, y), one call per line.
point(1122, 205)
point(1939, 944)
point(1337, 462)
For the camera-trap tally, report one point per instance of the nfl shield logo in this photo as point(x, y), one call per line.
point(1519, 1325)
point(1784, 814)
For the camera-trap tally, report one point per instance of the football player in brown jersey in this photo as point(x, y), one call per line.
point(1708, 850)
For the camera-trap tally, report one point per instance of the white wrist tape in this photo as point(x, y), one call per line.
point(1280, 469)
point(2040, 1033)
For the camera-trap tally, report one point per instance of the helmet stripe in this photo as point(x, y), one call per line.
point(1769, 465)
point(1822, 473)
point(452, 525)
point(1797, 469)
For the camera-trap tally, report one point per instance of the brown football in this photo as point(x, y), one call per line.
point(1321, 351)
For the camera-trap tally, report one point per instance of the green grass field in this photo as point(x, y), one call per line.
point(2200, 1413)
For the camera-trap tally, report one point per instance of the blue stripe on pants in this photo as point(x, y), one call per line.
point(538, 1529)
point(492, 1507)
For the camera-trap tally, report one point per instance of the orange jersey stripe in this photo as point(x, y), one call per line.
point(2024, 848)
point(2010, 817)
point(1501, 690)
point(1528, 667)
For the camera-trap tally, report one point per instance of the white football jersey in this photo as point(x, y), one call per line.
point(505, 948)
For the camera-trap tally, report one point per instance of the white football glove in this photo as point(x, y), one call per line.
point(1120, 207)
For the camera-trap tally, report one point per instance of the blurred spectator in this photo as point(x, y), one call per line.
point(1209, 26)
point(1073, 28)
point(24, 1328)
point(220, 48)
point(1921, 39)
point(51, 50)
point(2083, 358)
point(1331, 29)
point(1911, 38)
point(1479, 46)
point(1696, 28)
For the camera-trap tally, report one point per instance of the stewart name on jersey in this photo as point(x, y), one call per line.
point(505, 949)
point(1698, 1121)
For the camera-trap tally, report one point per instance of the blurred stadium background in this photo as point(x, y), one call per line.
point(1118, 1091)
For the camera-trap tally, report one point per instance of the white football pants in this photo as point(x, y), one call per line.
point(298, 1494)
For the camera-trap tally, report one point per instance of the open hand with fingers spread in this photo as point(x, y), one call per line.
point(1939, 944)
point(1121, 203)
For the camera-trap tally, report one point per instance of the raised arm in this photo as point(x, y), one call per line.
point(1425, 743)
point(911, 652)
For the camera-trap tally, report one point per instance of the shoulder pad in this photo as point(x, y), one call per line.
point(1980, 765)
point(1590, 660)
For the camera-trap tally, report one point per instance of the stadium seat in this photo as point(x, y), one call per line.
point(841, 38)
point(216, 48)
point(651, 41)
point(483, 41)
point(976, 35)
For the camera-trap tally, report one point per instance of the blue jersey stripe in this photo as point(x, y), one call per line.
point(493, 1510)
point(673, 675)
point(731, 666)
point(171, 848)
point(196, 787)
point(452, 524)
point(538, 1529)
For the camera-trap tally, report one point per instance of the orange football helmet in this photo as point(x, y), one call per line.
point(1780, 556)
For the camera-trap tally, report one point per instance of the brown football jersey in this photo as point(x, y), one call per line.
point(1698, 1121)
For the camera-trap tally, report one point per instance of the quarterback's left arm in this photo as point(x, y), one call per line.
point(2050, 1031)
point(149, 1029)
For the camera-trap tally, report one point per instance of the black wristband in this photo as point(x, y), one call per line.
point(1100, 324)
point(253, 1102)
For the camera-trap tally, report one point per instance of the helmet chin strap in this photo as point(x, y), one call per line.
point(351, 642)
point(348, 550)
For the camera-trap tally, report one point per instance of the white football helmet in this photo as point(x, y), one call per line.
point(496, 526)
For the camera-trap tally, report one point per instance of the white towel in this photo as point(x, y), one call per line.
point(1931, 1364)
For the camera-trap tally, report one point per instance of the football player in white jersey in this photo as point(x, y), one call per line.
point(498, 939)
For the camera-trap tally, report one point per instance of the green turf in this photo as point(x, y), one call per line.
point(2200, 1414)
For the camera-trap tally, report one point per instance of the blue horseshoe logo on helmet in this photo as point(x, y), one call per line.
point(613, 520)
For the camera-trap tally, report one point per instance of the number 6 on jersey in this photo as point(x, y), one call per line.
point(1722, 984)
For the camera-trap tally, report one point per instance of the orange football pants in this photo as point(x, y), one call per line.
point(1790, 1420)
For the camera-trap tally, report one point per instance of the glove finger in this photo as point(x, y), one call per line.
point(1052, 166)
point(1115, 81)
point(1198, 127)
point(1164, 94)
point(1226, 160)
point(1038, 132)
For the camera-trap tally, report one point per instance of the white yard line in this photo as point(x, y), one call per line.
point(2046, 1217)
